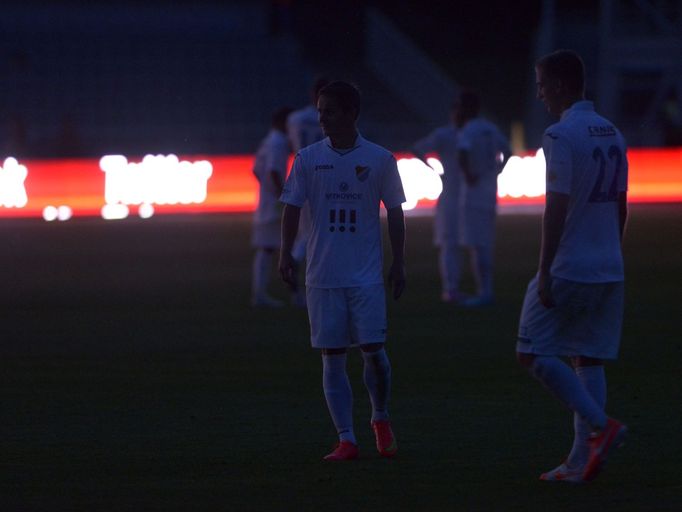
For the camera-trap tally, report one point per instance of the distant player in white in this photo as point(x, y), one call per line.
point(574, 305)
point(345, 178)
point(303, 129)
point(443, 142)
point(270, 167)
point(482, 153)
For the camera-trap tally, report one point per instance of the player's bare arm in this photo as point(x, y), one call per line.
point(553, 221)
point(622, 212)
point(287, 264)
point(277, 181)
point(396, 234)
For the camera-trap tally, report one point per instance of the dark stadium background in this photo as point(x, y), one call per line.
point(134, 375)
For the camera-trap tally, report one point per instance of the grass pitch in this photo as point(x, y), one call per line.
point(134, 376)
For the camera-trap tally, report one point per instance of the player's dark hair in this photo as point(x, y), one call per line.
point(345, 93)
point(318, 85)
point(279, 118)
point(469, 104)
point(566, 66)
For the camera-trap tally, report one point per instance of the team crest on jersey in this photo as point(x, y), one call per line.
point(361, 172)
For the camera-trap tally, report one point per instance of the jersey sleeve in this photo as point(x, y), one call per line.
point(502, 142)
point(392, 193)
point(557, 149)
point(277, 158)
point(295, 192)
point(427, 144)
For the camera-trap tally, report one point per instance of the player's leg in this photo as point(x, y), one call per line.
point(564, 384)
point(593, 377)
point(482, 268)
point(298, 252)
point(605, 321)
point(367, 307)
point(545, 332)
point(479, 237)
point(450, 270)
point(261, 272)
point(329, 332)
point(339, 396)
point(377, 378)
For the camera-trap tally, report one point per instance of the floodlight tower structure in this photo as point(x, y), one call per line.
point(633, 57)
point(640, 67)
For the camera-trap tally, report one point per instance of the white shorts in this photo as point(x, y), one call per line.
point(478, 227)
point(266, 235)
point(586, 321)
point(446, 223)
point(343, 317)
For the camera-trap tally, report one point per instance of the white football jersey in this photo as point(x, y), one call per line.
point(484, 142)
point(586, 159)
point(344, 189)
point(443, 141)
point(303, 128)
point(272, 155)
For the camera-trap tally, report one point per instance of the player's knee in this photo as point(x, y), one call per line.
point(371, 347)
point(525, 360)
point(333, 351)
point(578, 361)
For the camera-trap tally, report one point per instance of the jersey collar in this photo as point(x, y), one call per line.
point(578, 106)
point(359, 141)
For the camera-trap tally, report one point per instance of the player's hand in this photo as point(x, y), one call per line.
point(396, 279)
point(545, 290)
point(287, 268)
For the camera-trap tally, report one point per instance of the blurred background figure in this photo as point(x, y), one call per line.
point(443, 142)
point(270, 168)
point(482, 153)
point(303, 128)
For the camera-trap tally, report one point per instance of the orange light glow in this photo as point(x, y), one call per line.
point(655, 176)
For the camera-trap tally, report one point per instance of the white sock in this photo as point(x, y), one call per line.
point(262, 265)
point(483, 270)
point(339, 395)
point(448, 263)
point(593, 379)
point(377, 377)
point(564, 384)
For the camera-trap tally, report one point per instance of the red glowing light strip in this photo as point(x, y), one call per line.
point(655, 176)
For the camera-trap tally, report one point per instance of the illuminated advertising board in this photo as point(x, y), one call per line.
point(116, 186)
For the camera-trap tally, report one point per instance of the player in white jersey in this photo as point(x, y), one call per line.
point(483, 151)
point(443, 142)
point(270, 167)
point(574, 305)
point(345, 178)
point(303, 129)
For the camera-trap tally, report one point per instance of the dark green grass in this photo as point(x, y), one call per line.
point(134, 376)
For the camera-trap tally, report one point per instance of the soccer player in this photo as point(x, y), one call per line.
point(303, 129)
point(574, 305)
point(270, 167)
point(344, 178)
point(443, 141)
point(482, 153)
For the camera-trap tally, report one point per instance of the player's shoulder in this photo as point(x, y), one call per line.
point(313, 150)
point(375, 149)
point(446, 132)
point(555, 132)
